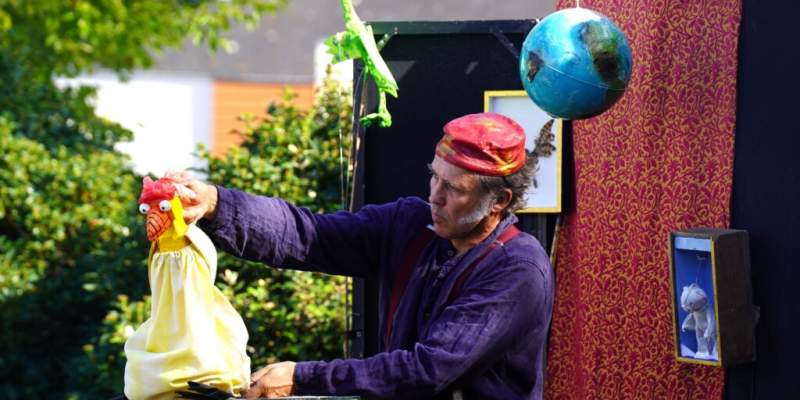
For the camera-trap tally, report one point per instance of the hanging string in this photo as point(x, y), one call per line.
point(345, 338)
point(341, 145)
point(699, 264)
point(345, 189)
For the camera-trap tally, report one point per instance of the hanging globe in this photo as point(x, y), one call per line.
point(575, 64)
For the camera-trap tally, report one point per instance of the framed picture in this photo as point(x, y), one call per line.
point(543, 138)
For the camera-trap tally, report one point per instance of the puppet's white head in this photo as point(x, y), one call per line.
point(693, 298)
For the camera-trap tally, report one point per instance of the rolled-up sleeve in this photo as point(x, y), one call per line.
point(274, 232)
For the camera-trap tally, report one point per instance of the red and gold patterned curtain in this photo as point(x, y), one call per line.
point(660, 160)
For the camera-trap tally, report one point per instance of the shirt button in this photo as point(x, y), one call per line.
point(450, 253)
point(427, 316)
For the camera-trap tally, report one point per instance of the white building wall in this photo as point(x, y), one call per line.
point(168, 113)
point(342, 71)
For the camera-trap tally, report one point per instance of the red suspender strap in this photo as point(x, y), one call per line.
point(509, 234)
point(409, 262)
point(404, 270)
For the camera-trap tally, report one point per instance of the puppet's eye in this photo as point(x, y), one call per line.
point(144, 208)
point(164, 205)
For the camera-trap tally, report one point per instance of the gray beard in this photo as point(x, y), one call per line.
point(480, 212)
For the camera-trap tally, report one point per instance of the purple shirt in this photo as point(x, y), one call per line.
point(488, 342)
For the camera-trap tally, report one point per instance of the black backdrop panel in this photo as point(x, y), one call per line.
point(441, 77)
point(766, 195)
point(443, 70)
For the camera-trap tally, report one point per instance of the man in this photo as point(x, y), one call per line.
point(465, 318)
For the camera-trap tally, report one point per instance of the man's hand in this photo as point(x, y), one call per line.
point(204, 205)
point(275, 380)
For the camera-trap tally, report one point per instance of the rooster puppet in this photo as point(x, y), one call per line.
point(193, 333)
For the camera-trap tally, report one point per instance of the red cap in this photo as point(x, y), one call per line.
point(488, 144)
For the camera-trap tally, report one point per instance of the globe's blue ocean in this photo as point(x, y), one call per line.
point(575, 64)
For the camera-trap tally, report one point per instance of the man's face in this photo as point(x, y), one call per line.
point(455, 195)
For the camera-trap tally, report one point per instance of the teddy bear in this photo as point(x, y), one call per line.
point(701, 319)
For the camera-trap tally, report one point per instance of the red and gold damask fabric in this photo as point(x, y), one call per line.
point(660, 160)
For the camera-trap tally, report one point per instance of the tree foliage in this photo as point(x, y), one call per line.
point(301, 155)
point(72, 245)
point(67, 211)
point(71, 37)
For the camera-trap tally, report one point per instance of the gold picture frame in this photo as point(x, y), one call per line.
point(545, 193)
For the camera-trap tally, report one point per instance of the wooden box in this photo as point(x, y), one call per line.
point(714, 315)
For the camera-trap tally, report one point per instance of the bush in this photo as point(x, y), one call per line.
point(294, 154)
point(72, 246)
point(290, 315)
point(73, 280)
point(68, 226)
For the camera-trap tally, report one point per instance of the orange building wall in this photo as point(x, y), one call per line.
point(232, 99)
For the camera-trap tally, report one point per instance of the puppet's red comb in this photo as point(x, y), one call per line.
point(162, 189)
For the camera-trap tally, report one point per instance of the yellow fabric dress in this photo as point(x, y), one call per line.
point(193, 333)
